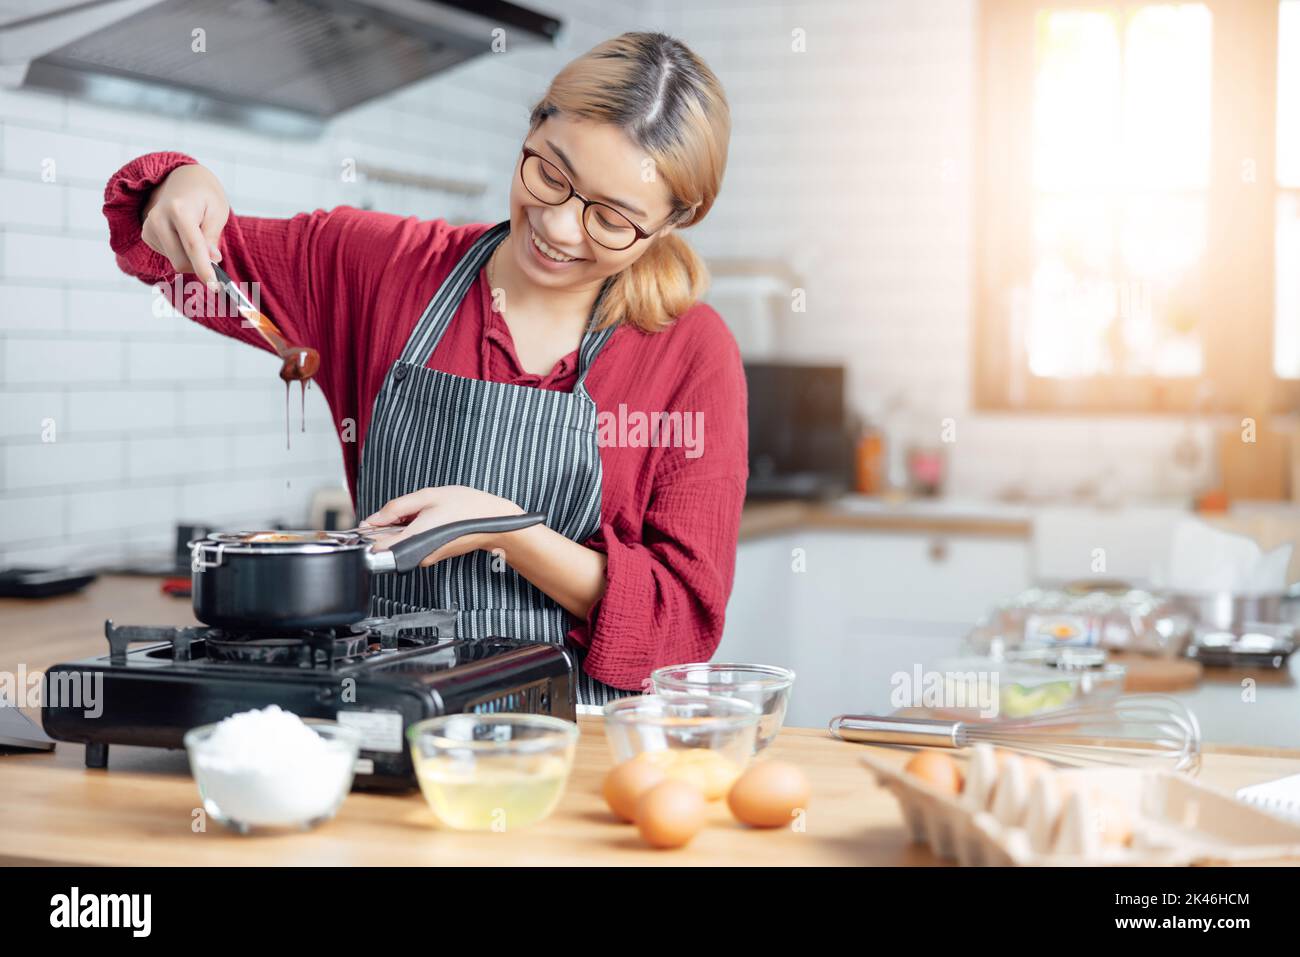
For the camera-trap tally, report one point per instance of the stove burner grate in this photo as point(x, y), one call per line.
point(305, 650)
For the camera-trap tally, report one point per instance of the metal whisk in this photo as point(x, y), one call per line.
point(1131, 730)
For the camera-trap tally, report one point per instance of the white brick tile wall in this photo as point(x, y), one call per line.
point(64, 360)
point(319, 446)
point(127, 410)
point(176, 457)
point(160, 420)
point(128, 310)
point(44, 555)
point(45, 108)
point(29, 255)
point(34, 308)
point(253, 501)
point(23, 414)
point(255, 365)
point(117, 509)
point(85, 210)
point(203, 409)
point(92, 119)
point(30, 202)
point(850, 161)
point(33, 518)
point(150, 362)
point(64, 462)
point(63, 156)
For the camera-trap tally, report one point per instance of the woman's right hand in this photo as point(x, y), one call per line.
point(183, 220)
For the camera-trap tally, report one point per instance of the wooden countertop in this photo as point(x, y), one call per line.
point(761, 519)
point(141, 810)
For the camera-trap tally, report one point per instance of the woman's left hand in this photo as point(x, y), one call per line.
point(431, 507)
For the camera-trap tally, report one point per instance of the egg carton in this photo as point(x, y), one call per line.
point(1023, 814)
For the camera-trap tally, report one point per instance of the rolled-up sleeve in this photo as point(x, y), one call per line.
point(667, 587)
point(124, 197)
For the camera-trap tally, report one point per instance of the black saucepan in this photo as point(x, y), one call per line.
point(282, 581)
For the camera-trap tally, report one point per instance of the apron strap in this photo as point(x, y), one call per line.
point(442, 307)
point(592, 342)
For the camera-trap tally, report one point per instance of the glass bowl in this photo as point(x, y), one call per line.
point(492, 772)
point(767, 687)
point(300, 792)
point(707, 739)
point(1023, 684)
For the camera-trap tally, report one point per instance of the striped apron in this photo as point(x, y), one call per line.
point(533, 447)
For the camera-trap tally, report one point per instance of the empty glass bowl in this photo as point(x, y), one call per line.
point(705, 738)
point(492, 772)
point(767, 687)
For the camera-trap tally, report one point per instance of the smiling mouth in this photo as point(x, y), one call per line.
point(554, 255)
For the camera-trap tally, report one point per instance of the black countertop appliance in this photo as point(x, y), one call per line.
point(799, 442)
point(378, 676)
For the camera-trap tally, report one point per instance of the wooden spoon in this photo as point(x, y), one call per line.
point(300, 362)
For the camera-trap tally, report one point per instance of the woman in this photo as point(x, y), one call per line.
point(495, 370)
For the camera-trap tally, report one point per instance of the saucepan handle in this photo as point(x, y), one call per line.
point(407, 554)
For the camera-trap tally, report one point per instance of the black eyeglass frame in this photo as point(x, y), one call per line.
point(641, 234)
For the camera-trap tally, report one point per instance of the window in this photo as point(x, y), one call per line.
point(1136, 251)
point(1286, 330)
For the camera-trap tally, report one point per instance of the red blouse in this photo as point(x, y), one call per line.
point(352, 284)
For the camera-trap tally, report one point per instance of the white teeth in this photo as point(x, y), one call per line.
point(550, 253)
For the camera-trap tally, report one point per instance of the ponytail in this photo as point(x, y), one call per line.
point(666, 281)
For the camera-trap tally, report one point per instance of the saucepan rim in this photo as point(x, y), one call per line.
point(237, 542)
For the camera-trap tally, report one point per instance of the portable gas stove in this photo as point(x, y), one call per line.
point(379, 676)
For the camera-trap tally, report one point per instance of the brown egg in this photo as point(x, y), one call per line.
point(625, 784)
point(768, 794)
point(936, 769)
point(670, 814)
point(711, 772)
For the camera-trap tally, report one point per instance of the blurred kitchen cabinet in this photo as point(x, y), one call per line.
point(913, 577)
point(759, 620)
point(816, 587)
point(1128, 543)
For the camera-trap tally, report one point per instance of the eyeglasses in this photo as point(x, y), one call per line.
point(604, 224)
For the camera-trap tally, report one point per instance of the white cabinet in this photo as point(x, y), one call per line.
point(1129, 543)
point(860, 577)
point(759, 623)
point(847, 609)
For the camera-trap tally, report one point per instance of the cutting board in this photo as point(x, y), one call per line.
point(1148, 675)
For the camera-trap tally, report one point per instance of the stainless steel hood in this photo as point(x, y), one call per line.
point(277, 65)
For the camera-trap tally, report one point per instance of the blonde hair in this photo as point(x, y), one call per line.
point(671, 105)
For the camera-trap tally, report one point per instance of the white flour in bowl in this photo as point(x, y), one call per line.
point(267, 768)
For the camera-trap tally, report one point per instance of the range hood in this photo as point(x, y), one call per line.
point(277, 65)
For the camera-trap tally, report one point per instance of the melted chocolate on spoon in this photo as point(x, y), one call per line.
point(299, 362)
